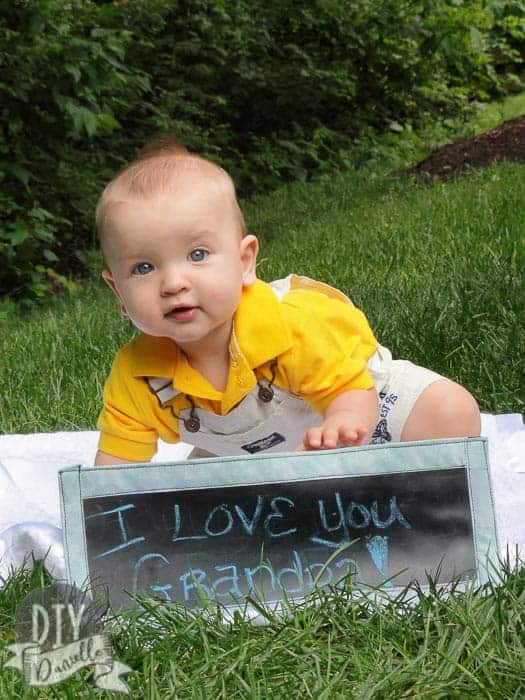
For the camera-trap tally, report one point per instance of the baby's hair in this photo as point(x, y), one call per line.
point(165, 144)
point(158, 168)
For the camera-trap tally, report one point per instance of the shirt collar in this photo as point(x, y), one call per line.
point(260, 329)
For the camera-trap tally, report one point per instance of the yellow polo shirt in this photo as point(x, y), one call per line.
point(321, 345)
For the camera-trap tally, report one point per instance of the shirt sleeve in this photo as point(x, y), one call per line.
point(125, 423)
point(332, 342)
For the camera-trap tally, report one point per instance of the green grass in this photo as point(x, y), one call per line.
point(492, 114)
point(438, 269)
point(439, 646)
point(54, 362)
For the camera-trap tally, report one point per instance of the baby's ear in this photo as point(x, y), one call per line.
point(109, 280)
point(249, 250)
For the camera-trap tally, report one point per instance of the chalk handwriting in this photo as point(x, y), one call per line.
point(279, 539)
point(357, 516)
point(277, 515)
point(222, 520)
point(126, 542)
point(333, 521)
point(230, 581)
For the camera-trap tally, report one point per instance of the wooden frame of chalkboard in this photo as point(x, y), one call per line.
point(280, 525)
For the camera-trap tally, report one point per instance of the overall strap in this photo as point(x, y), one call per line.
point(281, 287)
point(163, 389)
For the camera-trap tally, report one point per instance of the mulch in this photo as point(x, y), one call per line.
point(505, 142)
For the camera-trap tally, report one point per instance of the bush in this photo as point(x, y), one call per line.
point(507, 42)
point(62, 78)
point(275, 90)
point(280, 90)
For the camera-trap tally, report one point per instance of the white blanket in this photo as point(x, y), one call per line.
point(29, 498)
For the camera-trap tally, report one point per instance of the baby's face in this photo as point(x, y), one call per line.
point(178, 263)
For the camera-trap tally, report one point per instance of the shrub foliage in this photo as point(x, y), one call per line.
point(275, 90)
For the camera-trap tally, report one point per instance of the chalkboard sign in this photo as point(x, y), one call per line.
point(214, 529)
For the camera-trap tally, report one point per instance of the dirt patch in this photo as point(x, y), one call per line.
point(505, 142)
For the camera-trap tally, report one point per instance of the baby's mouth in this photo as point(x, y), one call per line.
point(183, 313)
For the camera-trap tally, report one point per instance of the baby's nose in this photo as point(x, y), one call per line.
point(173, 280)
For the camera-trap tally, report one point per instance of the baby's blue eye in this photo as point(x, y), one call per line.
point(198, 255)
point(142, 268)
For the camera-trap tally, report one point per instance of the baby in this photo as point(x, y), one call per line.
point(229, 363)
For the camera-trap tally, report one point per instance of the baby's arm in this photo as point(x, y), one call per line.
point(103, 459)
point(349, 420)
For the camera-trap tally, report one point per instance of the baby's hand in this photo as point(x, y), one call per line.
point(340, 429)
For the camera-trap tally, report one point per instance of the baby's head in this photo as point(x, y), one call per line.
point(164, 167)
point(175, 244)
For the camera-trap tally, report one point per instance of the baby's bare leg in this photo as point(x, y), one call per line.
point(444, 409)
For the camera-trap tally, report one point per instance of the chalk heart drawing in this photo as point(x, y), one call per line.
point(57, 632)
